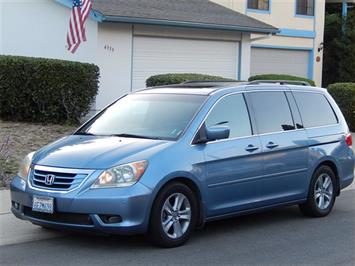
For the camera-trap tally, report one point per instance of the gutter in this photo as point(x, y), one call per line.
point(162, 22)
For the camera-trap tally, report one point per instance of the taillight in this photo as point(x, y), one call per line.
point(349, 139)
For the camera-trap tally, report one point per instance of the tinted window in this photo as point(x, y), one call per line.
point(315, 109)
point(272, 112)
point(258, 4)
point(305, 7)
point(147, 115)
point(294, 109)
point(232, 112)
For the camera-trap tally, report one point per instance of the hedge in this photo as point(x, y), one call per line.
point(280, 77)
point(46, 90)
point(174, 78)
point(344, 95)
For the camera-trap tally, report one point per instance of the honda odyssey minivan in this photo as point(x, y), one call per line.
point(163, 161)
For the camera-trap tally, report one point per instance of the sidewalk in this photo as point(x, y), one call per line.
point(5, 202)
point(13, 230)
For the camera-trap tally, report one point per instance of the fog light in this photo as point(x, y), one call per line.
point(111, 219)
point(16, 205)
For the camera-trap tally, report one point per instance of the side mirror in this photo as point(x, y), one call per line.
point(217, 132)
point(211, 134)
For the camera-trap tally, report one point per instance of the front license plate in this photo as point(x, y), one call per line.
point(43, 204)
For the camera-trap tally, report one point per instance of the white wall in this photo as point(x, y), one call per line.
point(245, 56)
point(1, 26)
point(319, 28)
point(114, 62)
point(38, 28)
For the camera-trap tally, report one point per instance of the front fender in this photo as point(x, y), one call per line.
point(178, 175)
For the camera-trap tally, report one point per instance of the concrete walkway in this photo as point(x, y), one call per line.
point(13, 230)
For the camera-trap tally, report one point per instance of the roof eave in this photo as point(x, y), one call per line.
point(187, 24)
point(99, 17)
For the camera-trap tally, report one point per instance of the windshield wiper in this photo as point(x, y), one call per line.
point(84, 134)
point(126, 135)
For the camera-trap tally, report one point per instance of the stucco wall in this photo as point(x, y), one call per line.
point(319, 28)
point(1, 26)
point(38, 28)
point(283, 16)
point(114, 53)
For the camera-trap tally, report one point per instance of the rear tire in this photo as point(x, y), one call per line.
point(322, 193)
point(174, 216)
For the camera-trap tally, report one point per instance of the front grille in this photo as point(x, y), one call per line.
point(59, 217)
point(63, 180)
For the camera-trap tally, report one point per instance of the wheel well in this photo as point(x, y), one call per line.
point(192, 185)
point(335, 170)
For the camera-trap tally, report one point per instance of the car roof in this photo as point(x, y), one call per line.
point(209, 88)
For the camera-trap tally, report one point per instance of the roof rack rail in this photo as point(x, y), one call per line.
point(210, 81)
point(281, 82)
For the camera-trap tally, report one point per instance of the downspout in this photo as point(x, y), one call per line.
point(262, 38)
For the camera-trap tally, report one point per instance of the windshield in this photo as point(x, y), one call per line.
point(155, 116)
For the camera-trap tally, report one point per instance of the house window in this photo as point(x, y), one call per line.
point(259, 4)
point(305, 7)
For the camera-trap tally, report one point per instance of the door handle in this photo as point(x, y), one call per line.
point(251, 148)
point(271, 145)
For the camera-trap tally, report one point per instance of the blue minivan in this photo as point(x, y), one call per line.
point(163, 161)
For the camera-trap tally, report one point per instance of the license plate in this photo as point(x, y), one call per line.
point(43, 204)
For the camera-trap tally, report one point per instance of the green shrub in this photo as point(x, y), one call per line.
point(46, 90)
point(167, 79)
point(344, 95)
point(280, 77)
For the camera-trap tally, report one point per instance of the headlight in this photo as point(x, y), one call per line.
point(121, 176)
point(25, 166)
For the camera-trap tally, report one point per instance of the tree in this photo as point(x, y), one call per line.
point(339, 47)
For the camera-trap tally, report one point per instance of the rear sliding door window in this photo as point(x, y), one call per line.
point(272, 112)
point(315, 109)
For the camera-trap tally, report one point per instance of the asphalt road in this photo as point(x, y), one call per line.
point(278, 237)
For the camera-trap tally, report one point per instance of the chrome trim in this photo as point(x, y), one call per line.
point(331, 125)
point(208, 113)
point(254, 178)
point(256, 135)
point(62, 170)
point(58, 170)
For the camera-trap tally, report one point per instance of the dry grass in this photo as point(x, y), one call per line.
point(24, 138)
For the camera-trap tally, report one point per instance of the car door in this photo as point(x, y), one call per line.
point(284, 146)
point(232, 164)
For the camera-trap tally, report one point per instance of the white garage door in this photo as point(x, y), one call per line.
point(152, 56)
point(279, 61)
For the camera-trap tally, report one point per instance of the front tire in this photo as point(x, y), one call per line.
point(322, 193)
point(173, 216)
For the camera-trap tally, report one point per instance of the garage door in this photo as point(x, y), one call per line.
point(153, 56)
point(279, 61)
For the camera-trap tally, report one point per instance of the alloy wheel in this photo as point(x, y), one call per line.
point(176, 215)
point(323, 191)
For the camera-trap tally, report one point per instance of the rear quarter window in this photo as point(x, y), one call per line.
point(315, 109)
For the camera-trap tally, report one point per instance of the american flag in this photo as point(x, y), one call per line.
point(79, 14)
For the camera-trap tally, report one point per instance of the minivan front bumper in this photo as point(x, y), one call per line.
point(109, 210)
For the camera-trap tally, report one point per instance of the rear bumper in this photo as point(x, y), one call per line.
point(87, 209)
point(348, 166)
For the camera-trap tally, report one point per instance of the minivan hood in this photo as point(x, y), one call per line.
point(96, 152)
